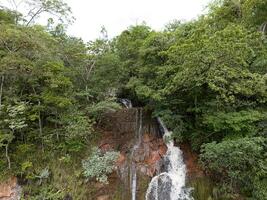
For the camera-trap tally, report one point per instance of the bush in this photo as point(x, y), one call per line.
point(99, 165)
point(240, 164)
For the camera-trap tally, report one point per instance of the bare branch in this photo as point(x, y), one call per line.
point(1, 88)
point(39, 11)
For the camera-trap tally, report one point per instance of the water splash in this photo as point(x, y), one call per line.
point(170, 185)
point(133, 182)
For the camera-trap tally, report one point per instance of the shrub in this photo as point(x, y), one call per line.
point(239, 164)
point(99, 165)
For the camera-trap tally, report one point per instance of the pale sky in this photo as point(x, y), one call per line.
point(117, 15)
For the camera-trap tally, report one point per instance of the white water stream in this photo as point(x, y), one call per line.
point(170, 185)
point(133, 171)
point(126, 102)
point(138, 137)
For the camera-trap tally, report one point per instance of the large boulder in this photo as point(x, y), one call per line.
point(160, 188)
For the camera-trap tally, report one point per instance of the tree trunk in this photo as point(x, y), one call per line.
point(263, 29)
point(1, 88)
point(39, 11)
point(88, 73)
point(40, 126)
point(7, 157)
point(86, 90)
point(40, 121)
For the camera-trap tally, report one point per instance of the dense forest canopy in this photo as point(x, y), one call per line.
point(206, 78)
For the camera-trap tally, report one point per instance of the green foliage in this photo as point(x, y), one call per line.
point(44, 175)
point(98, 109)
point(7, 16)
point(239, 123)
point(48, 193)
point(206, 78)
point(15, 118)
point(45, 90)
point(241, 163)
point(76, 125)
point(99, 165)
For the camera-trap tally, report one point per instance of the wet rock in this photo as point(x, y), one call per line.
point(153, 146)
point(151, 171)
point(154, 158)
point(143, 169)
point(163, 150)
point(120, 132)
point(139, 155)
point(161, 142)
point(148, 138)
point(160, 188)
point(164, 187)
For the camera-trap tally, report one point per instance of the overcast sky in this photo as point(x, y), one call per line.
point(117, 15)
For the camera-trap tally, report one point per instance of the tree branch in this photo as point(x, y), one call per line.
point(1, 88)
point(39, 11)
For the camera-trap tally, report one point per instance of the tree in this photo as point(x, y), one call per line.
point(30, 11)
point(5, 140)
point(240, 164)
point(13, 120)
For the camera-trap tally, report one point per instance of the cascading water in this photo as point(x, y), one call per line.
point(133, 171)
point(170, 185)
point(126, 102)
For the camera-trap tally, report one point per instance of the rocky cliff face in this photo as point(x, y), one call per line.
point(136, 136)
point(10, 190)
point(120, 134)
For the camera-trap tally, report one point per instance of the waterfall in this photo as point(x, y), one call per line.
point(133, 181)
point(170, 185)
point(126, 102)
point(133, 171)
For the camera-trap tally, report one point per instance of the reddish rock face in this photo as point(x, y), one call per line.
point(163, 150)
point(120, 131)
point(10, 190)
point(121, 160)
point(147, 138)
point(105, 147)
point(191, 161)
point(146, 156)
point(5, 190)
point(154, 158)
